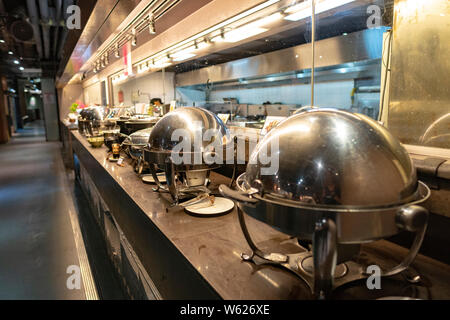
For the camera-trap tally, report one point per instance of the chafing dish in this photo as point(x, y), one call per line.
point(136, 124)
point(91, 119)
point(204, 141)
point(133, 146)
point(342, 180)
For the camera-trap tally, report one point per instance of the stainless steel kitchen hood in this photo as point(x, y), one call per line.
point(338, 57)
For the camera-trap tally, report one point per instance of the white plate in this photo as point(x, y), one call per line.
point(149, 179)
point(220, 206)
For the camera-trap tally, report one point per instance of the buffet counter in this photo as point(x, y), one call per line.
point(161, 252)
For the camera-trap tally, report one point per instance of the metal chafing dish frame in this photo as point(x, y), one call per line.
point(162, 160)
point(324, 226)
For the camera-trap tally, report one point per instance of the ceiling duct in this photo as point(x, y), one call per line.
point(21, 30)
point(34, 18)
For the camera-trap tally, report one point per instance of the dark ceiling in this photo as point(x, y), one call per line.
point(34, 31)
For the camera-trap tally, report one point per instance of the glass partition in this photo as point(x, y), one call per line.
point(274, 77)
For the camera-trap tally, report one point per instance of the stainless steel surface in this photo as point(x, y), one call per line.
point(419, 94)
point(97, 29)
point(107, 20)
point(354, 47)
point(346, 71)
point(139, 137)
point(192, 123)
point(335, 158)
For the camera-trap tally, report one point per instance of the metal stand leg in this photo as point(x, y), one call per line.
point(170, 178)
point(276, 258)
point(159, 186)
point(325, 257)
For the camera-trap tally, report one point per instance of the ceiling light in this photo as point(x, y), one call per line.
point(10, 52)
point(243, 33)
point(16, 61)
point(161, 63)
point(183, 52)
point(21, 68)
point(303, 10)
point(2, 41)
point(267, 20)
point(184, 57)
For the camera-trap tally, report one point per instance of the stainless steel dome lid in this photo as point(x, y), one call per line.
point(334, 158)
point(139, 137)
point(192, 123)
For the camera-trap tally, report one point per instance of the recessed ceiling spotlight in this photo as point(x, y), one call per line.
point(2, 41)
point(21, 68)
point(16, 61)
point(10, 52)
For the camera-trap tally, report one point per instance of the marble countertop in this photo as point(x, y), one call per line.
point(213, 246)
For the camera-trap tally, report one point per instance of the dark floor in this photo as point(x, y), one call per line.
point(37, 243)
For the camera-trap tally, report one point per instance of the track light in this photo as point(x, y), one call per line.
point(117, 54)
point(151, 24)
point(133, 37)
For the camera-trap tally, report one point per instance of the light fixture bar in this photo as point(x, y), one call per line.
point(216, 27)
point(303, 10)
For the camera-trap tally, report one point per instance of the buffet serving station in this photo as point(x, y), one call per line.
point(162, 252)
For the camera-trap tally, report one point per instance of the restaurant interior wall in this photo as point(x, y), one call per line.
point(150, 84)
point(69, 94)
point(92, 94)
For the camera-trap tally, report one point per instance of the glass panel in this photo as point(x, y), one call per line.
point(268, 74)
point(419, 108)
